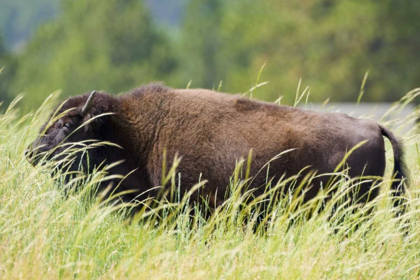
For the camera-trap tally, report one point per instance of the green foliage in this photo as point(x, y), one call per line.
point(202, 43)
point(19, 18)
point(329, 44)
point(7, 71)
point(395, 48)
point(110, 46)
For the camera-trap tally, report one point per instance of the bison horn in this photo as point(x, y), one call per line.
point(88, 102)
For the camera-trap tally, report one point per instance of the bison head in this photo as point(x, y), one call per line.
point(68, 135)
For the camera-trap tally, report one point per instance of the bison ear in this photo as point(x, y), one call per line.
point(91, 123)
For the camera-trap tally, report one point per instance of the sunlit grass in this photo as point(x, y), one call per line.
point(46, 235)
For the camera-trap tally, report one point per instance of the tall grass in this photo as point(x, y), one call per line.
point(46, 235)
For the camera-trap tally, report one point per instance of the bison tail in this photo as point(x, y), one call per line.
point(400, 170)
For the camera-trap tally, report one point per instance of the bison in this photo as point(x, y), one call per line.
point(210, 131)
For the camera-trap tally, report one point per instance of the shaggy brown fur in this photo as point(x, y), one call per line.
point(211, 131)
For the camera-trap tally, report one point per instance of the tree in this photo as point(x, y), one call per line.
point(19, 19)
point(104, 45)
point(201, 43)
point(7, 70)
point(329, 44)
point(395, 48)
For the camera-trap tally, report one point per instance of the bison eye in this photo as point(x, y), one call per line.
point(67, 125)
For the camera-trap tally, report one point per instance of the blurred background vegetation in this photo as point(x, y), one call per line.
point(115, 45)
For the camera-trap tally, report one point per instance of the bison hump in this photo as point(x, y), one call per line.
point(246, 104)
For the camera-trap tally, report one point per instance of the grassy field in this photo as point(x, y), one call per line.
point(43, 235)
